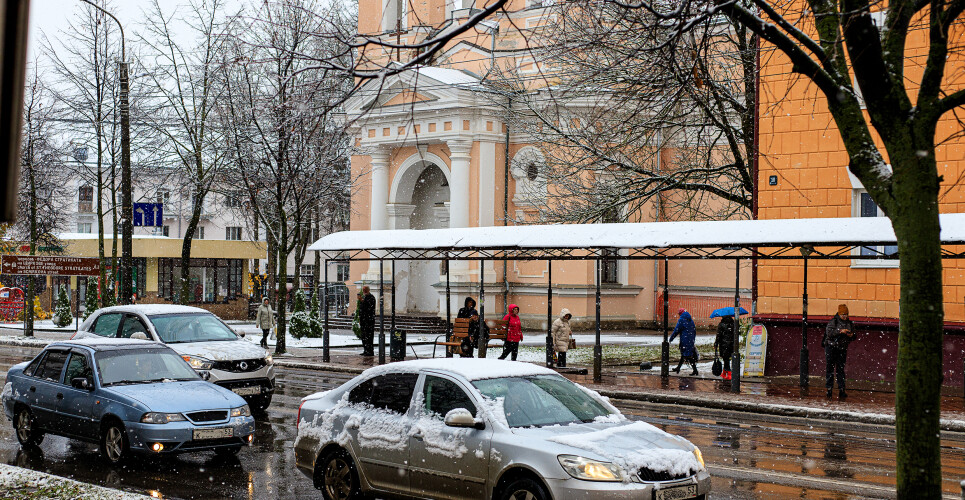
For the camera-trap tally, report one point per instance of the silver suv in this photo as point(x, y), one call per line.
point(201, 338)
point(467, 428)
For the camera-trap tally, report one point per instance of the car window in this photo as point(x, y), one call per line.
point(389, 392)
point(542, 400)
point(137, 366)
point(106, 324)
point(191, 327)
point(132, 324)
point(443, 395)
point(29, 370)
point(77, 367)
point(52, 365)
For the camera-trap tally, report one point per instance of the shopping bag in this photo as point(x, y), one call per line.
point(572, 344)
point(718, 366)
point(274, 333)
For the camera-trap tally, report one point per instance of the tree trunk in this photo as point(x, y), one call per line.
point(272, 267)
point(185, 284)
point(918, 378)
point(282, 288)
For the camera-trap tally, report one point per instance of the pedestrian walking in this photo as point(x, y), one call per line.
point(561, 336)
point(265, 319)
point(469, 312)
point(688, 333)
point(514, 333)
point(367, 322)
point(724, 343)
point(837, 336)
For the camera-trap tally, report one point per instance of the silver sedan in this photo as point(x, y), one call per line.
point(478, 429)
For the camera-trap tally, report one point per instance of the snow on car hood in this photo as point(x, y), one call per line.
point(630, 445)
point(177, 397)
point(220, 350)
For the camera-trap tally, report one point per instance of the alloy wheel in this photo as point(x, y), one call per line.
point(522, 495)
point(114, 444)
point(338, 479)
point(23, 426)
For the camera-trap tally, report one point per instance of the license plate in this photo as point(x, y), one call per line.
point(247, 391)
point(676, 493)
point(221, 432)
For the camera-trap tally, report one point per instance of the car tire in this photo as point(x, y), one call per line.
point(337, 477)
point(26, 430)
point(229, 451)
point(524, 488)
point(260, 404)
point(114, 445)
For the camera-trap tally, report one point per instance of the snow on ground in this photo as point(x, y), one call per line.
point(42, 324)
point(26, 483)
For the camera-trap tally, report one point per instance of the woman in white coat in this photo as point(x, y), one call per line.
point(561, 336)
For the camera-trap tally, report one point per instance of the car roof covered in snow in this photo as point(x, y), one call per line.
point(153, 309)
point(681, 234)
point(470, 368)
point(107, 344)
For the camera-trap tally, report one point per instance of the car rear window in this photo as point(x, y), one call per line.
point(389, 392)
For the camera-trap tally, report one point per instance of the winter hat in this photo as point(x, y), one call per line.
point(681, 311)
point(842, 310)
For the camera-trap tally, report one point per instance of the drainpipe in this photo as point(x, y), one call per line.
point(656, 264)
point(509, 102)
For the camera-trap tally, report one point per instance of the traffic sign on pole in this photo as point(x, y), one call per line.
point(48, 265)
point(149, 214)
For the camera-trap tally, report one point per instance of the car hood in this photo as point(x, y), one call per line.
point(177, 397)
point(629, 444)
point(220, 350)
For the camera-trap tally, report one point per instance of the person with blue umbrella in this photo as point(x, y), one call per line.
point(724, 342)
point(688, 334)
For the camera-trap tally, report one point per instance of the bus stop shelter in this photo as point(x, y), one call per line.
point(775, 239)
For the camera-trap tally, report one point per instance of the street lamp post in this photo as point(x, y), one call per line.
point(127, 208)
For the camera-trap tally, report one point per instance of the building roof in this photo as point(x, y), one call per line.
point(663, 235)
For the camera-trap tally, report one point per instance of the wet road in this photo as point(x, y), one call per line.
point(748, 456)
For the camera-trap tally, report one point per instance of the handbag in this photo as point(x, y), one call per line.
point(572, 344)
point(718, 366)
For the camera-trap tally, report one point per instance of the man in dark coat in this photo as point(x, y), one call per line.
point(688, 334)
point(469, 311)
point(367, 322)
point(837, 335)
point(724, 342)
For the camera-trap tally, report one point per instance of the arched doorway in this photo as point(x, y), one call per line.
point(424, 187)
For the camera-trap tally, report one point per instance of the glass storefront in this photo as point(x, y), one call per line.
point(209, 280)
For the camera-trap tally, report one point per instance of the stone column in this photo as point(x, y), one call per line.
point(459, 199)
point(379, 198)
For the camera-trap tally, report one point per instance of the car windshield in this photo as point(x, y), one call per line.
point(140, 366)
point(542, 400)
point(192, 327)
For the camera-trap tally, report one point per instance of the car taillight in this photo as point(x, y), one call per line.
point(298, 419)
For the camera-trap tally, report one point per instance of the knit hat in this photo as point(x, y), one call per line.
point(843, 310)
point(681, 311)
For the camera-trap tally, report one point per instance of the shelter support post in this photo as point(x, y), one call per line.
point(448, 331)
point(665, 345)
point(735, 360)
point(597, 348)
point(805, 361)
point(381, 312)
point(483, 331)
point(392, 304)
point(326, 352)
point(77, 305)
point(549, 313)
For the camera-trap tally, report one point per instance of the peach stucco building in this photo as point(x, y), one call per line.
point(434, 153)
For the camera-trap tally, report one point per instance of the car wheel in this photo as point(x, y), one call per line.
point(227, 452)
point(336, 476)
point(260, 404)
point(524, 488)
point(114, 443)
point(27, 432)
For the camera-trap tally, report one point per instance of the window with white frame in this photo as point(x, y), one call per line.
point(529, 173)
point(84, 227)
point(85, 199)
point(199, 233)
point(864, 206)
point(233, 233)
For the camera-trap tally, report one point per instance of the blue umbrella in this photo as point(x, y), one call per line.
point(726, 311)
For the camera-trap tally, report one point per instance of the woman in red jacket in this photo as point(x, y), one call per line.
point(514, 333)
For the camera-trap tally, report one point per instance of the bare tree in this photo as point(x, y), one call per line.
point(185, 96)
point(289, 148)
point(42, 180)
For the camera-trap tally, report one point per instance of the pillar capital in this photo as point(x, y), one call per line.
point(459, 148)
point(380, 156)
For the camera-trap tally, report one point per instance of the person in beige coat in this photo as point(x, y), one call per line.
point(265, 319)
point(561, 336)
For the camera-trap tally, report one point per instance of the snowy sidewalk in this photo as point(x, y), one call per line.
point(16, 482)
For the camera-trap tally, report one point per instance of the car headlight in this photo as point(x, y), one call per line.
point(198, 363)
point(241, 411)
point(268, 359)
point(161, 418)
point(699, 455)
point(590, 470)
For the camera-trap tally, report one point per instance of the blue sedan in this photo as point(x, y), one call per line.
point(126, 395)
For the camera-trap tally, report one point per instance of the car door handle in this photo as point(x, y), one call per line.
point(60, 395)
point(417, 435)
point(33, 389)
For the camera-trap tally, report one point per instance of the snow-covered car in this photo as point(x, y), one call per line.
point(127, 395)
point(480, 429)
point(201, 338)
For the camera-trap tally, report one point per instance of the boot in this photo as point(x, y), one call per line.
point(726, 375)
point(842, 394)
point(830, 394)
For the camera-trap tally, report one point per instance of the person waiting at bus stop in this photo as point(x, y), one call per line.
point(688, 334)
point(472, 339)
point(837, 335)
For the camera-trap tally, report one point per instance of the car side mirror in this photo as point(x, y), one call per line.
point(460, 417)
point(81, 383)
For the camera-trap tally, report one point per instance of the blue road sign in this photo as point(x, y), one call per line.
point(149, 214)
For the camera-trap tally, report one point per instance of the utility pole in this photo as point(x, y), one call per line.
point(127, 207)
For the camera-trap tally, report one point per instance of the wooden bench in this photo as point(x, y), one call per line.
point(460, 330)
